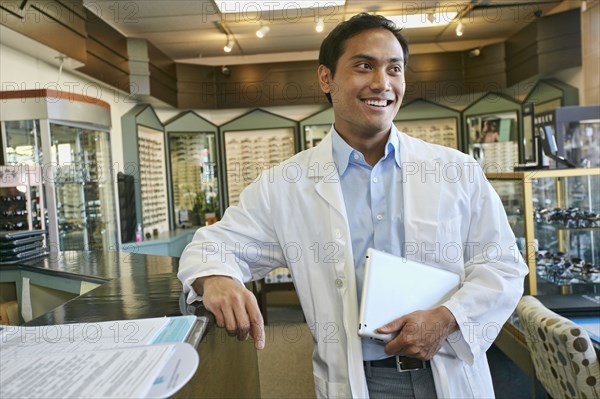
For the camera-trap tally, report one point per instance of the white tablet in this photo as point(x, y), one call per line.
point(394, 286)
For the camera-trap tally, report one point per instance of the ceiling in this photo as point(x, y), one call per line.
point(193, 31)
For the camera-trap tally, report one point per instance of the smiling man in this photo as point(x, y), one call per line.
point(368, 185)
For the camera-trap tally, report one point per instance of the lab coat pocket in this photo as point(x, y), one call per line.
point(437, 242)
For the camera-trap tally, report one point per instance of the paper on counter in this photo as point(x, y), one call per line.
point(26, 310)
point(153, 371)
point(39, 340)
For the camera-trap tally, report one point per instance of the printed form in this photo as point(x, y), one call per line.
point(116, 359)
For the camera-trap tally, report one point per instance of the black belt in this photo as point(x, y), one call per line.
point(406, 363)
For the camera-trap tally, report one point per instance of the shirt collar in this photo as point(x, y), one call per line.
point(343, 152)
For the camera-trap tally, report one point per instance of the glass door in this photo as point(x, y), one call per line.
point(85, 203)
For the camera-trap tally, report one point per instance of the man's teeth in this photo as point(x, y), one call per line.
point(376, 103)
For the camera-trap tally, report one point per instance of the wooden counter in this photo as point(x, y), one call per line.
point(142, 286)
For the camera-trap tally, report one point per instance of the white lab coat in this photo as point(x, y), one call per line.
point(294, 216)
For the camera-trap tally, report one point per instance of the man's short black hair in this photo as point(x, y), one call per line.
point(334, 44)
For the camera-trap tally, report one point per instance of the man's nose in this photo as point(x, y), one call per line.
point(380, 81)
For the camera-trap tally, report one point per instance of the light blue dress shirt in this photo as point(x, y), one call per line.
point(373, 198)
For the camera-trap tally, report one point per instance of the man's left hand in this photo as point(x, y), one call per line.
point(420, 334)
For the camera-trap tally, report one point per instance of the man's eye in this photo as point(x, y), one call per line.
point(364, 65)
point(397, 69)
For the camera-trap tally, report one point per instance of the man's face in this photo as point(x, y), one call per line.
point(368, 86)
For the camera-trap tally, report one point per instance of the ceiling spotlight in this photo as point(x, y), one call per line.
point(474, 53)
point(460, 29)
point(262, 31)
point(320, 25)
point(229, 46)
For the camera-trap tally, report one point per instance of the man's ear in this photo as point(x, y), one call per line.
point(324, 75)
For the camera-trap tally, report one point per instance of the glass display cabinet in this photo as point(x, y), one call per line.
point(315, 127)
point(85, 203)
point(313, 134)
point(570, 136)
point(144, 154)
point(429, 122)
point(555, 215)
point(543, 96)
point(193, 160)
point(68, 137)
point(492, 132)
point(21, 193)
point(252, 143)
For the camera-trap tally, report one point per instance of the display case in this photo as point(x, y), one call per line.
point(249, 152)
point(252, 143)
point(570, 136)
point(492, 132)
point(67, 136)
point(194, 164)
point(429, 122)
point(21, 193)
point(555, 215)
point(85, 203)
point(144, 154)
point(542, 97)
point(315, 127)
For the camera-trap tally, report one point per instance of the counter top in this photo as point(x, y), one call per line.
point(141, 286)
point(168, 243)
point(166, 236)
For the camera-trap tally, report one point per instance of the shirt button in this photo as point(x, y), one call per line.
point(375, 180)
point(356, 156)
point(338, 233)
point(379, 217)
point(339, 283)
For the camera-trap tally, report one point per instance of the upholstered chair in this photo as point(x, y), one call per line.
point(564, 359)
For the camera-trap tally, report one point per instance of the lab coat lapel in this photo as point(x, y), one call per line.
point(421, 191)
point(324, 173)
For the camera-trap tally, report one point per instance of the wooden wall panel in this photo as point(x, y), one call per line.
point(559, 42)
point(163, 76)
point(434, 76)
point(107, 58)
point(262, 85)
point(196, 87)
point(522, 55)
point(486, 71)
point(58, 25)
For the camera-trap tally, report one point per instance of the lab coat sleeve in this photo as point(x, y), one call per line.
point(494, 275)
point(243, 245)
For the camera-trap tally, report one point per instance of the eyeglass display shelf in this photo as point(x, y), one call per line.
point(526, 180)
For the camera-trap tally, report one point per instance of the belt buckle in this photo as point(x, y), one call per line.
point(400, 368)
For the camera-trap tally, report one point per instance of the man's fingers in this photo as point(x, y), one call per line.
point(392, 326)
point(235, 308)
point(229, 320)
point(257, 325)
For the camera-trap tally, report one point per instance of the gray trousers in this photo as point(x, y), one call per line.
point(387, 383)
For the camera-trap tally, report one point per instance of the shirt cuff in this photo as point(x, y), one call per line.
point(192, 296)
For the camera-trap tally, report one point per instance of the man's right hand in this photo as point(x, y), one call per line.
point(234, 307)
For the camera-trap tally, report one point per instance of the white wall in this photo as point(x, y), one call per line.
point(19, 71)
